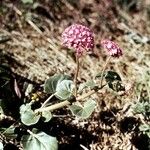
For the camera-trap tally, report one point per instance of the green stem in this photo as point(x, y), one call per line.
point(47, 101)
point(66, 102)
point(53, 107)
point(103, 71)
point(76, 75)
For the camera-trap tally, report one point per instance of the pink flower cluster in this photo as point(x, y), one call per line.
point(112, 47)
point(79, 37)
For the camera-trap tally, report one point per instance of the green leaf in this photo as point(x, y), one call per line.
point(9, 132)
point(144, 127)
point(64, 90)
point(51, 83)
point(1, 146)
point(142, 108)
point(39, 141)
point(116, 86)
point(139, 108)
point(89, 84)
point(28, 116)
point(98, 75)
point(46, 115)
point(1, 110)
point(24, 108)
point(148, 134)
point(85, 111)
point(111, 76)
point(27, 1)
point(76, 110)
point(114, 81)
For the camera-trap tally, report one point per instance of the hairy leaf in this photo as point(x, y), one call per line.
point(39, 141)
point(116, 86)
point(89, 84)
point(51, 83)
point(83, 111)
point(142, 108)
point(111, 76)
point(64, 90)
point(1, 146)
point(46, 115)
point(145, 128)
point(28, 116)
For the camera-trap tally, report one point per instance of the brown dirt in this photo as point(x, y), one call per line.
point(34, 52)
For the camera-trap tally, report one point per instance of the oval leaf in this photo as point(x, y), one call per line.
point(89, 84)
point(111, 76)
point(51, 83)
point(116, 86)
point(85, 111)
point(39, 141)
point(1, 146)
point(28, 116)
point(76, 110)
point(24, 108)
point(46, 115)
point(64, 90)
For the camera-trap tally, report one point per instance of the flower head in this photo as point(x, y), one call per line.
point(112, 47)
point(78, 37)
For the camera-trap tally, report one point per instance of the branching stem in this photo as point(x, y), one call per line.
point(47, 100)
point(66, 102)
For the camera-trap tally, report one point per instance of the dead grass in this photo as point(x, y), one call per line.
point(35, 52)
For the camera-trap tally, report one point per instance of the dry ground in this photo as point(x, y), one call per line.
point(30, 37)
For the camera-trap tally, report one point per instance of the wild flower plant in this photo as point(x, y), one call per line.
point(67, 91)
